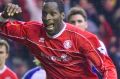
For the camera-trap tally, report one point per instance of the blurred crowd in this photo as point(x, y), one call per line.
point(103, 20)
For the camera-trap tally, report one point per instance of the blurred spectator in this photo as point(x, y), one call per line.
point(25, 13)
point(5, 72)
point(114, 52)
point(109, 10)
point(90, 9)
point(35, 9)
point(3, 3)
point(92, 15)
point(105, 31)
point(66, 6)
point(20, 67)
point(92, 27)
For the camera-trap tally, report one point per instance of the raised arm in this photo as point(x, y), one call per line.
point(8, 27)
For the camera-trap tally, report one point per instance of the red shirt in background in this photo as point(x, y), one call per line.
point(7, 73)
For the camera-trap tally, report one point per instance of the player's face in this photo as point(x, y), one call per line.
point(52, 17)
point(79, 21)
point(3, 55)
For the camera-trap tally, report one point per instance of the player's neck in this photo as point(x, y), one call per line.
point(2, 66)
point(2, 69)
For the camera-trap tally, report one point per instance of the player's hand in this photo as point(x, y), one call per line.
point(11, 10)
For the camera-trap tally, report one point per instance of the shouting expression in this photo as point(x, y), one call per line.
point(52, 17)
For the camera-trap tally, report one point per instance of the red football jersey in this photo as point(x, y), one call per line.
point(65, 55)
point(7, 73)
point(108, 64)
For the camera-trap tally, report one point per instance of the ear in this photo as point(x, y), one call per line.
point(63, 15)
point(7, 55)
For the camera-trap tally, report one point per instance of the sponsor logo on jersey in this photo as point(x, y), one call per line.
point(42, 40)
point(62, 58)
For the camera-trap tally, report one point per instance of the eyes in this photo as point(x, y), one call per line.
point(49, 13)
point(77, 21)
point(1, 52)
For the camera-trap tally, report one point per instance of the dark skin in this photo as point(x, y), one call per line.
point(11, 10)
point(52, 17)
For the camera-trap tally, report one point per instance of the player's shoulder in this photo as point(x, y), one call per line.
point(33, 70)
point(11, 73)
point(93, 39)
point(73, 29)
point(8, 70)
point(34, 24)
point(76, 30)
point(90, 35)
point(30, 72)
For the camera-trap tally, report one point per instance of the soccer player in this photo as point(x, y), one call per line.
point(5, 72)
point(35, 73)
point(62, 49)
point(78, 17)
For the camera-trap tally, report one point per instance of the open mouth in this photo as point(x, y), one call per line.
point(50, 27)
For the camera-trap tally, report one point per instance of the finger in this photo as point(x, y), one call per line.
point(16, 8)
point(19, 10)
point(8, 7)
point(12, 10)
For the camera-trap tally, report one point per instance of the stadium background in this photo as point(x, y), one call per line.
point(103, 20)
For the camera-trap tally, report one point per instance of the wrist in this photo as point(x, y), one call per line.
point(2, 18)
point(4, 15)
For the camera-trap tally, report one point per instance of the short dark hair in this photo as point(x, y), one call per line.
point(76, 10)
point(4, 43)
point(59, 2)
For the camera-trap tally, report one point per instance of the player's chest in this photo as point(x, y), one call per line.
point(6, 75)
point(60, 50)
point(60, 44)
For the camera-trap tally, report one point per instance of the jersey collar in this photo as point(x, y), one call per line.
point(57, 35)
point(2, 70)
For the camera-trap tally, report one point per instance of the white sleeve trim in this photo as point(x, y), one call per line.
point(102, 49)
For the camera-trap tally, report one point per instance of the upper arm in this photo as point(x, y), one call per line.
point(87, 49)
point(20, 29)
point(15, 29)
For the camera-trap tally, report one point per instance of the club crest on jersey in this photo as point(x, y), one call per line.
point(67, 44)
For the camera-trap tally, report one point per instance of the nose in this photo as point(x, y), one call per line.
point(76, 23)
point(48, 16)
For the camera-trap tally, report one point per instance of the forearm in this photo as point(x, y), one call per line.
point(11, 29)
point(110, 70)
point(102, 62)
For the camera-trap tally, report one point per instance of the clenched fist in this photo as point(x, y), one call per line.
point(11, 10)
